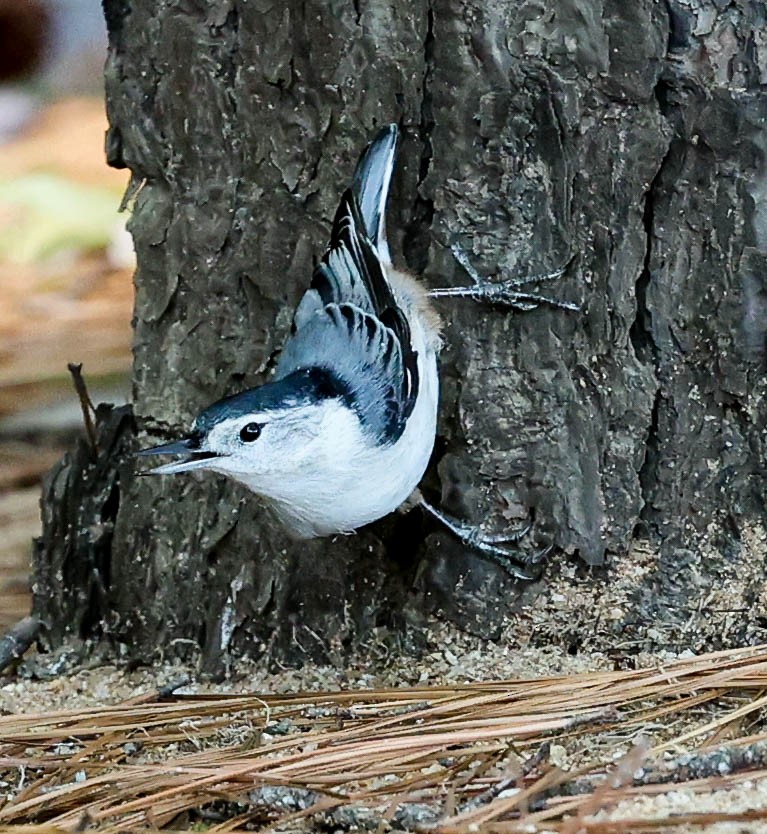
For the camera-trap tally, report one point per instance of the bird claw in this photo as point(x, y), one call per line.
point(508, 293)
point(490, 545)
point(518, 565)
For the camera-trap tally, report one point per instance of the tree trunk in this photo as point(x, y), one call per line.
point(629, 137)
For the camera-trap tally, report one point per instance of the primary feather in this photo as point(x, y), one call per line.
point(349, 321)
point(371, 187)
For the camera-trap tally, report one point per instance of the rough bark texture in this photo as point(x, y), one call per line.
point(628, 135)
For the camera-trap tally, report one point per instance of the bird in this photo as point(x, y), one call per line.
point(342, 434)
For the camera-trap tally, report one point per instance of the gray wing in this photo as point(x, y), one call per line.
point(364, 360)
point(349, 324)
point(371, 187)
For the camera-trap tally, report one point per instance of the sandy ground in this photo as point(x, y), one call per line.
point(452, 657)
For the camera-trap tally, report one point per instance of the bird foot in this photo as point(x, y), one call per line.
point(509, 293)
point(490, 546)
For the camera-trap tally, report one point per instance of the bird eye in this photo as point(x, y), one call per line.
point(250, 432)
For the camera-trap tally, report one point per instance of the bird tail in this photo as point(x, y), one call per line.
point(371, 186)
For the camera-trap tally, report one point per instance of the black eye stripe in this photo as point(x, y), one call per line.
point(250, 432)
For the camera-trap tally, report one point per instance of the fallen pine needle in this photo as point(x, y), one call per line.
point(445, 759)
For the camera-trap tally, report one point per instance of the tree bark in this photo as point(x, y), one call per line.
point(627, 136)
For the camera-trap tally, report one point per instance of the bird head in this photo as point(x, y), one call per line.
point(261, 437)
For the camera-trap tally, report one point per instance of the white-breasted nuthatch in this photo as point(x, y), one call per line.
point(343, 433)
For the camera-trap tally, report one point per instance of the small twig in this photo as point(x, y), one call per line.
point(724, 761)
point(170, 688)
point(275, 801)
point(162, 693)
point(720, 762)
point(534, 762)
point(17, 640)
point(611, 790)
point(86, 403)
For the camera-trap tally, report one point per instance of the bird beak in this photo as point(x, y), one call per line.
point(188, 449)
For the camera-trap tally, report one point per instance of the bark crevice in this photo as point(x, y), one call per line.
point(641, 330)
point(417, 239)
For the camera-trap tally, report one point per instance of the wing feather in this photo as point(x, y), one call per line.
point(349, 322)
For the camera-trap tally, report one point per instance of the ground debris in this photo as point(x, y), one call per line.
point(443, 758)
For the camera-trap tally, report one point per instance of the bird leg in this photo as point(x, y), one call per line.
point(489, 546)
point(508, 293)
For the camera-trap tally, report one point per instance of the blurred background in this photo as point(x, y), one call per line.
point(66, 261)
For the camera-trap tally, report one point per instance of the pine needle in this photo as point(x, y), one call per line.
point(445, 759)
